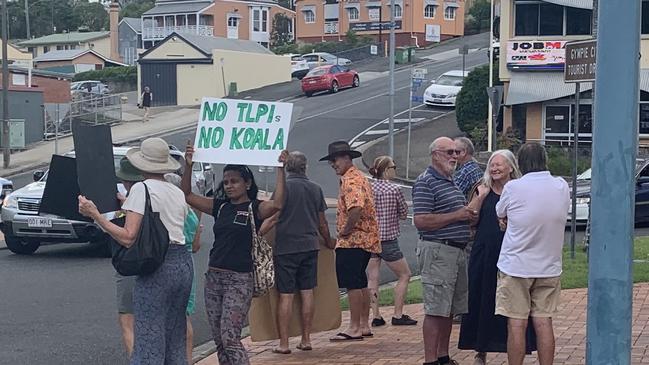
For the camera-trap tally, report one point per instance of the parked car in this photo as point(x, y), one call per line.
point(323, 58)
point(89, 86)
point(7, 187)
point(299, 66)
point(443, 91)
point(641, 194)
point(329, 78)
point(24, 234)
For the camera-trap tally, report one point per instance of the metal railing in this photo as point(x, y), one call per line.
point(149, 33)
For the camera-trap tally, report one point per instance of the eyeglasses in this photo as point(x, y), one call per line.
point(450, 152)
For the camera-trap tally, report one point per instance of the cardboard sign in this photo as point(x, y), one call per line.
point(242, 131)
point(93, 150)
point(60, 196)
point(263, 312)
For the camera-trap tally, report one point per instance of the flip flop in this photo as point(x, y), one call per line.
point(370, 334)
point(342, 337)
point(304, 347)
point(281, 352)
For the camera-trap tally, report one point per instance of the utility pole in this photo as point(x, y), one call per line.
point(391, 60)
point(610, 281)
point(490, 119)
point(29, 36)
point(6, 151)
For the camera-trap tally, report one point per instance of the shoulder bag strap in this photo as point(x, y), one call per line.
point(252, 221)
point(147, 202)
point(219, 211)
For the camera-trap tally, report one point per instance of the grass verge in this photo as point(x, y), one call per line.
point(575, 274)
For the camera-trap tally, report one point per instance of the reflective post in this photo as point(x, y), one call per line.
point(615, 143)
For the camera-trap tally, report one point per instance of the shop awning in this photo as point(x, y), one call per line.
point(533, 87)
point(582, 4)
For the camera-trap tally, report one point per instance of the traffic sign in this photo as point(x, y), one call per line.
point(419, 99)
point(580, 61)
point(419, 73)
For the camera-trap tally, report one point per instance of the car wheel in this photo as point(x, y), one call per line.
point(356, 82)
point(21, 246)
point(334, 87)
point(308, 94)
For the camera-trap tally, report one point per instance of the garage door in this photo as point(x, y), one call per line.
point(161, 78)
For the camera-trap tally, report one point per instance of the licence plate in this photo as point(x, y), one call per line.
point(312, 82)
point(39, 222)
point(437, 100)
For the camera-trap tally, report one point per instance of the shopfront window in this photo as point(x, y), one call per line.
point(558, 122)
point(536, 18)
point(578, 21)
point(645, 17)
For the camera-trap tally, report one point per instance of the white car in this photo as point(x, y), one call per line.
point(323, 58)
point(443, 91)
point(299, 66)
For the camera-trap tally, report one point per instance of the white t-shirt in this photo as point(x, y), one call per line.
point(536, 207)
point(166, 199)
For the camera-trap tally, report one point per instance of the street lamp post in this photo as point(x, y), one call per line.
point(6, 151)
point(29, 36)
point(490, 119)
point(391, 60)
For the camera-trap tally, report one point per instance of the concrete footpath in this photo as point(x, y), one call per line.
point(404, 345)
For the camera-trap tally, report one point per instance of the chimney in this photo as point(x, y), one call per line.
point(113, 13)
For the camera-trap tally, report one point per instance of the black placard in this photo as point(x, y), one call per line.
point(61, 189)
point(93, 150)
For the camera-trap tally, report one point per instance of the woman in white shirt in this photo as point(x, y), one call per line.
point(159, 299)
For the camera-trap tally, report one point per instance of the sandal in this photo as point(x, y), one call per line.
point(281, 352)
point(342, 337)
point(369, 334)
point(304, 347)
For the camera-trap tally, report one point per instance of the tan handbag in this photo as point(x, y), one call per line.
point(263, 271)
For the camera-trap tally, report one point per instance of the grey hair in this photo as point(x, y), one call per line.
point(511, 161)
point(468, 145)
point(173, 179)
point(296, 163)
point(433, 146)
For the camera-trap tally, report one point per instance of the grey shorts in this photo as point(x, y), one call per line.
point(390, 251)
point(444, 279)
point(124, 287)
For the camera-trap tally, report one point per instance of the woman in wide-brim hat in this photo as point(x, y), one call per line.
point(160, 298)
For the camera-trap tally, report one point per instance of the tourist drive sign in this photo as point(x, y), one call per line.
point(242, 131)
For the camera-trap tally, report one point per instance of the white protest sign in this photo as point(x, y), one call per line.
point(242, 132)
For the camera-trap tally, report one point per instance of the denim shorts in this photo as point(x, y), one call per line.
point(390, 251)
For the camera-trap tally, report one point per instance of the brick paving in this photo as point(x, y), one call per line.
point(403, 345)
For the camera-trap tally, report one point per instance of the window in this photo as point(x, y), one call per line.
point(557, 120)
point(260, 20)
point(233, 22)
point(353, 14)
point(397, 11)
point(449, 13)
point(256, 20)
point(645, 17)
point(46, 49)
point(429, 11)
point(535, 18)
point(309, 16)
point(264, 20)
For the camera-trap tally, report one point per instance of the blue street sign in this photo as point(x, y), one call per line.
point(419, 99)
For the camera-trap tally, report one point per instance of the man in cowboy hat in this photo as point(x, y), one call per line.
point(358, 238)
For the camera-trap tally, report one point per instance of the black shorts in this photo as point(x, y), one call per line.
point(296, 271)
point(351, 264)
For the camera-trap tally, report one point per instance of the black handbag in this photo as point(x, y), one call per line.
point(148, 251)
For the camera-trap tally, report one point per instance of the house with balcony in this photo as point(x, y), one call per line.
point(233, 19)
point(417, 22)
point(538, 104)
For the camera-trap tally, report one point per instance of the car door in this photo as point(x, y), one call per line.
point(311, 60)
point(347, 75)
point(642, 196)
point(334, 71)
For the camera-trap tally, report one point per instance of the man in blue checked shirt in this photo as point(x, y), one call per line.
point(468, 172)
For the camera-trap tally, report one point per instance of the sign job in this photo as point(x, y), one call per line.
point(242, 131)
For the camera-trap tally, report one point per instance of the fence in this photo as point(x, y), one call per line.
point(85, 107)
point(362, 53)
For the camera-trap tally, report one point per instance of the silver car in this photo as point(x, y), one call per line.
point(323, 58)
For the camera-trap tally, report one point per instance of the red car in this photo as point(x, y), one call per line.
point(331, 78)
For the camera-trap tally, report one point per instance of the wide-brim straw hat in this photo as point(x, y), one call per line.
point(340, 148)
point(153, 157)
point(128, 172)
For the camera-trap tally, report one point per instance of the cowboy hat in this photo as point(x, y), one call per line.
point(127, 172)
point(340, 148)
point(153, 157)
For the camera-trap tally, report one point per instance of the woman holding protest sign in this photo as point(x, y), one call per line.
point(228, 281)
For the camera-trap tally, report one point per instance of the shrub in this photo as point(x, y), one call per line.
point(472, 102)
point(126, 74)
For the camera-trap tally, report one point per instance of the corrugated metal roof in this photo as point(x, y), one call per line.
point(62, 55)
point(532, 87)
point(72, 37)
point(135, 23)
point(178, 8)
point(207, 44)
point(582, 4)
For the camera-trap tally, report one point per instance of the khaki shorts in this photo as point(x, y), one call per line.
point(443, 278)
point(520, 298)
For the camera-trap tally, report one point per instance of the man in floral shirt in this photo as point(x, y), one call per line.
point(358, 238)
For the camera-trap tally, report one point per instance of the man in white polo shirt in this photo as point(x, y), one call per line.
point(534, 209)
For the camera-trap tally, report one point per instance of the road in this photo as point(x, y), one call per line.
point(59, 304)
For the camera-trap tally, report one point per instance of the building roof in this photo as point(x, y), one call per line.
point(176, 7)
point(40, 72)
point(71, 54)
point(582, 4)
point(59, 38)
point(134, 23)
point(206, 44)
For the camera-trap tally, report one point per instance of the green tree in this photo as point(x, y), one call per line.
point(472, 103)
point(91, 15)
point(479, 15)
point(280, 35)
point(136, 8)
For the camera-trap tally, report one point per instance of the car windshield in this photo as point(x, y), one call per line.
point(449, 80)
point(296, 58)
point(317, 72)
point(328, 57)
point(116, 159)
point(585, 175)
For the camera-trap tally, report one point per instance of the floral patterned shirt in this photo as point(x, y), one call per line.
point(356, 191)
